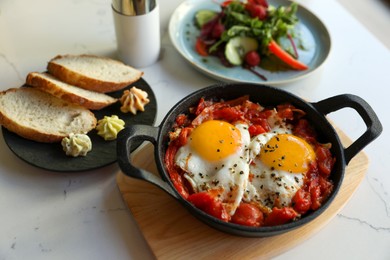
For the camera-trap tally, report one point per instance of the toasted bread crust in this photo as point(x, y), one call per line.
point(73, 77)
point(34, 132)
point(34, 79)
point(28, 133)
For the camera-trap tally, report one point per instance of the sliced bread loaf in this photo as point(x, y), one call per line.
point(86, 98)
point(39, 116)
point(94, 73)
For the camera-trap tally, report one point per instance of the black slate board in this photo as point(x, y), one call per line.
point(52, 157)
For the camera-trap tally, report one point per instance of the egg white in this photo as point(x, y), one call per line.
point(229, 176)
point(268, 186)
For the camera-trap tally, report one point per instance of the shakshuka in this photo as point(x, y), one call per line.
point(248, 164)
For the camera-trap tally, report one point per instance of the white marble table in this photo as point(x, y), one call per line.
point(48, 215)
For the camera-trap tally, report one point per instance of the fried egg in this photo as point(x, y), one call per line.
point(278, 171)
point(266, 169)
point(216, 158)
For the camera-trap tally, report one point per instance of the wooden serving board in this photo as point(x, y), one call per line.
point(173, 233)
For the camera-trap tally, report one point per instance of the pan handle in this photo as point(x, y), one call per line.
point(374, 126)
point(126, 138)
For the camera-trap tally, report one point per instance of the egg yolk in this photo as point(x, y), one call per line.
point(288, 153)
point(215, 140)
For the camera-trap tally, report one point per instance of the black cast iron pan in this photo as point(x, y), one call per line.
point(264, 95)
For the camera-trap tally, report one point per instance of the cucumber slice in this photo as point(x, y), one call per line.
point(237, 47)
point(204, 16)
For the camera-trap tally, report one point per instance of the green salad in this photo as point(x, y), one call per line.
point(248, 34)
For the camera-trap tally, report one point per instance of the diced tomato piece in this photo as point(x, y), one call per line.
point(256, 10)
point(280, 216)
point(265, 114)
point(201, 106)
point(249, 107)
point(236, 102)
point(198, 108)
point(206, 114)
point(255, 113)
point(183, 136)
point(315, 194)
point(326, 187)
point(251, 113)
point(325, 160)
point(265, 124)
point(256, 130)
point(248, 215)
point(312, 172)
point(229, 114)
point(318, 186)
point(262, 122)
point(301, 201)
point(182, 120)
point(304, 130)
point(201, 48)
point(209, 204)
point(286, 111)
point(259, 2)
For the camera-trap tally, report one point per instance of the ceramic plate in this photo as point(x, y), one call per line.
point(314, 35)
point(52, 157)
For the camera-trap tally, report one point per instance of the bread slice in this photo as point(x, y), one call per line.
point(39, 116)
point(94, 73)
point(86, 98)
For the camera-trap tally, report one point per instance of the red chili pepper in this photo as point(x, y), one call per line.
point(286, 57)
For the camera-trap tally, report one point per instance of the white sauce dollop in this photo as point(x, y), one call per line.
point(76, 145)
